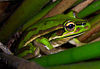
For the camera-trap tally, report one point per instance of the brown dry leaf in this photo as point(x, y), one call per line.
point(90, 35)
point(60, 8)
point(3, 6)
point(82, 5)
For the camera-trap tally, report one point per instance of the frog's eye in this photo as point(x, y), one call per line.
point(70, 26)
point(83, 23)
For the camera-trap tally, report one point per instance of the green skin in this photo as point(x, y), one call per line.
point(35, 36)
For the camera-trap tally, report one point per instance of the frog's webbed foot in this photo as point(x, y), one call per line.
point(28, 52)
point(33, 55)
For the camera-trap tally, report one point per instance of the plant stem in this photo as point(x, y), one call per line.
point(95, 6)
point(70, 56)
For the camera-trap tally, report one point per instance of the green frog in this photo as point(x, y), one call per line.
point(50, 33)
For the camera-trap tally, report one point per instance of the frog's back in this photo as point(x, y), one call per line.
point(50, 22)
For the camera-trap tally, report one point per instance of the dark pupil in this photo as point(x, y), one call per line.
point(83, 23)
point(70, 26)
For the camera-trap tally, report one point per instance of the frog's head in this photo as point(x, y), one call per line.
point(73, 28)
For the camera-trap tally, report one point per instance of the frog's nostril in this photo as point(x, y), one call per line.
point(77, 29)
point(86, 27)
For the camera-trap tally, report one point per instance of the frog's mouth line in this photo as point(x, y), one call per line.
point(65, 35)
point(57, 43)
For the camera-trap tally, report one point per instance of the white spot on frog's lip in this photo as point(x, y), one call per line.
point(68, 33)
point(46, 47)
point(51, 38)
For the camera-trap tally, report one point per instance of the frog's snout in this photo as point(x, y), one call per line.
point(82, 28)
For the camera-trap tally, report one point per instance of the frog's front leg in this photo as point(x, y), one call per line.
point(45, 46)
point(28, 51)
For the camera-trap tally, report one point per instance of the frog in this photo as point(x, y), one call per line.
point(50, 33)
